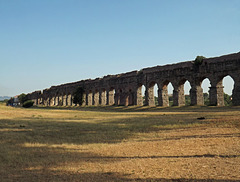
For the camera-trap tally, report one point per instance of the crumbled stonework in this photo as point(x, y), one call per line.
point(125, 89)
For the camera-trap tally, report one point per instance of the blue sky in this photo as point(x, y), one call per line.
point(51, 42)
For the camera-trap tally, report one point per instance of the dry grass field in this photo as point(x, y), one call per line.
point(120, 144)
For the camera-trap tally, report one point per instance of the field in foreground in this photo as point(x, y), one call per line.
point(120, 144)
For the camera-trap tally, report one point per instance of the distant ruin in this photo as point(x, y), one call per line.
point(126, 89)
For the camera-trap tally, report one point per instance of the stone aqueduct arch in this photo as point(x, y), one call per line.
point(125, 89)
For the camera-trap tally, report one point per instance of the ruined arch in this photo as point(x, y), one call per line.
point(110, 96)
point(103, 96)
point(205, 85)
point(140, 95)
point(89, 97)
point(187, 88)
point(150, 96)
point(60, 98)
point(163, 94)
point(64, 99)
point(55, 100)
point(69, 99)
point(178, 92)
point(118, 97)
point(228, 85)
point(96, 97)
point(143, 95)
point(216, 92)
point(130, 97)
point(52, 101)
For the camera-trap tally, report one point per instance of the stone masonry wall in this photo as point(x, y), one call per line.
point(125, 89)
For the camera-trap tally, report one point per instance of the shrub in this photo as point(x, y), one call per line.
point(28, 103)
point(199, 60)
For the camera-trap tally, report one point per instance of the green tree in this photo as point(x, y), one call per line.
point(10, 102)
point(227, 100)
point(78, 96)
point(156, 100)
point(187, 100)
point(22, 98)
point(206, 99)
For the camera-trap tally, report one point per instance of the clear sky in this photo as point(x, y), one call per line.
point(51, 42)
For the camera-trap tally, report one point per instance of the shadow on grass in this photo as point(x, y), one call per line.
point(75, 131)
point(145, 108)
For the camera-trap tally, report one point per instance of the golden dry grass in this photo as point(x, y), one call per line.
point(120, 144)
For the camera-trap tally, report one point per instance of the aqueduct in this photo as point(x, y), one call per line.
point(126, 89)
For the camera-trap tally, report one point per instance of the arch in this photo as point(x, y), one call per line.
point(56, 100)
point(170, 93)
point(64, 99)
point(89, 98)
point(205, 85)
point(83, 96)
point(143, 95)
point(188, 93)
point(121, 97)
point(103, 97)
point(150, 96)
point(60, 100)
point(110, 96)
point(179, 94)
point(216, 92)
point(47, 101)
point(187, 88)
point(117, 96)
point(155, 93)
point(96, 97)
point(69, 99)
point(165, 94)
point(170, 88)
point(139, 97)
point(129, 98)
point(52, 101)
point(228, 85)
